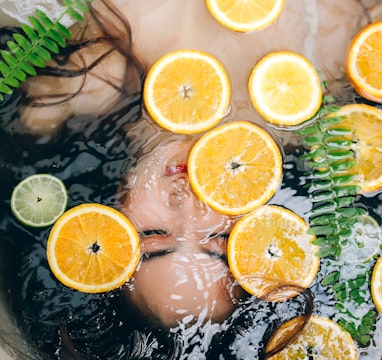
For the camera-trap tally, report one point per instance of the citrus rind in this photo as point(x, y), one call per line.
point(376, 285)
point(253, 23)
point(223, 198)
point(71, 280)
point(321, 336)
point(207, 109)
point(368, 85)
point(272, 267)
point(269, 96)
point(363, 146)
point(39, 200)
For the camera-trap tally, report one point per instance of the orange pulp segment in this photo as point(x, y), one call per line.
point(321, 338)
point(245, 15)
point(271, 254)
point(235, 168)
point(93, 248)
point(187, 91)
point(285, 88)
point(364, 62)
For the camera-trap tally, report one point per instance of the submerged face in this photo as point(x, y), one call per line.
point(184, 275)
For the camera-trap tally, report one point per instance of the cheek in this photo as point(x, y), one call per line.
point(180, 288)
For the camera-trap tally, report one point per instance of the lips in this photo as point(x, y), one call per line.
point(176, 169)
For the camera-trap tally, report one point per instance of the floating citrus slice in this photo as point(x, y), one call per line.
point(187, 91)
point(321, 338)
point(39, 200)
point(376, 284)
point(271, 255)
point(93, 248)
point(245, 15)
point(364, 62)
point(364, 241)
point(365, 121)
point(285, 88)
point(235, 168)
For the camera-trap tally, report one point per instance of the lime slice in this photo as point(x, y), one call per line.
point(39, 200)
point(365, 241)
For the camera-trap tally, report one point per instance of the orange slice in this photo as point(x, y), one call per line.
point(364, 62)
point(271, 255)
point(187, 91)
point(285, 88)
point(376, 285)
point(245, 15)
point(365, 121)
point(93, 248)
point(235, 168)
point(321, 338)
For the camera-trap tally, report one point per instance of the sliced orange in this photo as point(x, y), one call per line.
point(235, 168)
point(321, 338)
point(365, 121)
point(285, 88)
point(187, 91)
point(376, 285)
point(364, 62)
point(271, 254)
point(245, 15)
point(93, 248)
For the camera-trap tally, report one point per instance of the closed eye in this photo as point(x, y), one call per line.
point(152, 232)
point(216, 246)
point(155, 243)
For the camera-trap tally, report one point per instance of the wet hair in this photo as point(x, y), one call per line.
point(89, 153)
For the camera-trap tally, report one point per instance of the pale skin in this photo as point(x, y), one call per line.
point(183, 276)
point(321, 30)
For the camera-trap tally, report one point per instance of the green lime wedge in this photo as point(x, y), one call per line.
point(39, 200)
point(365, 241)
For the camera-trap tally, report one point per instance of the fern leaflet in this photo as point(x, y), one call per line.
point(43, 37)
point(331, 163)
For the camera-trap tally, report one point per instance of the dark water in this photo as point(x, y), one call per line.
point(89, 155)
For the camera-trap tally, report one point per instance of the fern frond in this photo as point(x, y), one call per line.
point(334, 213)
point(42, 38)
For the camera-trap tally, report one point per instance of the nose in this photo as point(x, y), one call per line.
point(180, 192)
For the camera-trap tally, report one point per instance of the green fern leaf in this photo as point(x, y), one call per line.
point(45, 20)
point(30, 32)
point(56, 37)
point(5, 89)
point(50, 45)
point(37, 25)
point(80, 5)
point(42, 38)
point(11, 81)
point(9, 58)
point(322, 219)
point(331, 278)
point(338, 143)
point(75, 15)
point(4, 68)
point(23, 42)
point(35, 60)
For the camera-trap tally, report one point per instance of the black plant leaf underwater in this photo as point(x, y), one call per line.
point(334, 213)
point(34, 49)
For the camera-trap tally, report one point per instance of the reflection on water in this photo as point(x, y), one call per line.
point(91, 153)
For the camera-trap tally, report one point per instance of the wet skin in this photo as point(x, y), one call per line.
point(183, 276)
